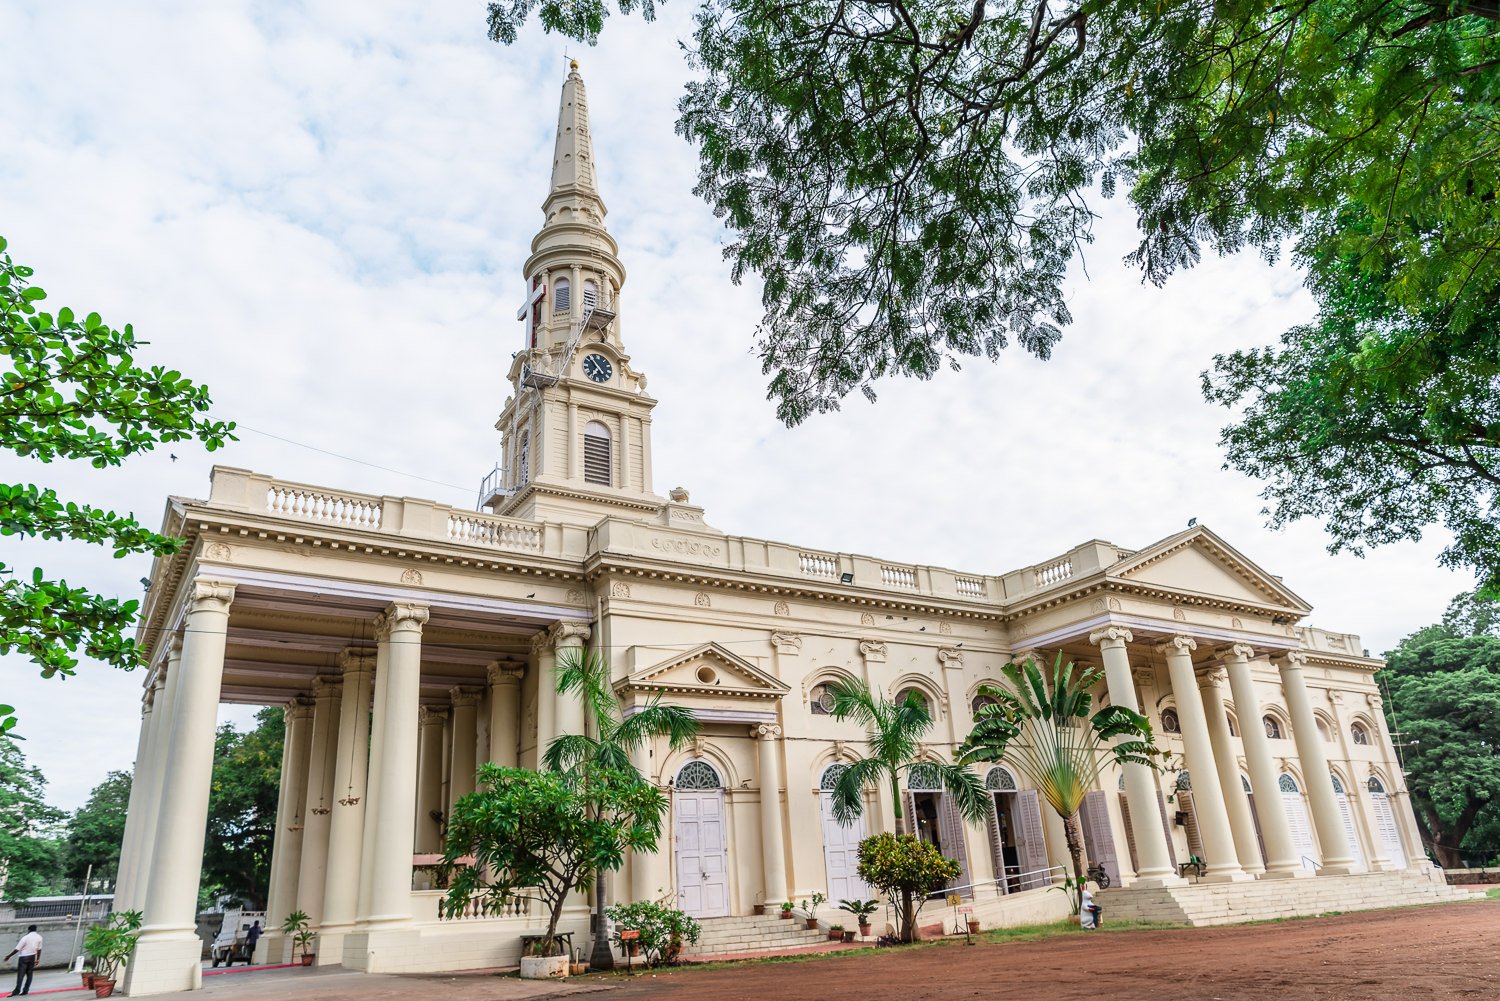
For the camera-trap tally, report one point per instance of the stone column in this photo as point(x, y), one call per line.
point(286, 851)
point(568, 639)
point(1241, 821)
point(166, 956)
point(396, 771)
point(346, 826)
point(1325, 808)
point(161, 736)
point(643, 865)
point(312, 875)
point(1208, 795)
point(772, 831)
point(546, 693)
point(465, 744)
point(1140, 782)
point(505, 713)
point(372, 788)
point(427, 830)
point(1396, 791)
point(1282, 861)
point(135, 822)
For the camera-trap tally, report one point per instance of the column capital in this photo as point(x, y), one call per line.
point(209, 595)
point(1374, 701)
point(354, 659)
point(950, 656)
point(541, 642)
point(565, 629)
point(502, 673)
point(873, 651)
point(464, 697)
point(1111, 636)
point(790, 644)
point(327, 688)
point(1144, 675)
point(765, 731)
point(1184, 645)
point(1291, 660)
point(431, 715)
point(1235, 652)
point(401, 616)
point(1214, 677)
point(298, 707)
point(1023, 655)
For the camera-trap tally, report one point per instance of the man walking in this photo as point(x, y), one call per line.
point(30, 948)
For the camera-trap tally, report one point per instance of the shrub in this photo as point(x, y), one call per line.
point(906, 869)
point(664, 930)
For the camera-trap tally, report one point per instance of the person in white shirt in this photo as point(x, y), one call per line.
point(30, 949)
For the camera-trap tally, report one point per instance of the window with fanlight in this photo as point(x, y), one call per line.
point(918, 694)
point(1359, 734)
point(596, 454)
point(1273, 727)
point(1169, 721)
point(820, 699)
point(562, 296)
point(982, 701)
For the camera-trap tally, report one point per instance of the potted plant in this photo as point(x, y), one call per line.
point(861, 909)
point(786, 909)
point(546, 960)
point(660, 932)
point(297, 927)
point(835, 933)
point(810, 908)
point(110, 943)
point(973, 925)
point(849, 935)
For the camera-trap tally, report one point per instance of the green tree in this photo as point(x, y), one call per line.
point(96, 829)
point(585, 675)
point(242, 809)
point(551, 832)
point(1444, 703)
point(1042, 725)
point(893, 735)
point(906, 869)
point(31, 832)
point(70, 388)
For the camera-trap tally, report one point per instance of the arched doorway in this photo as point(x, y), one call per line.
point(1385, 823)
point(840, 843)
point(1296, 818)
point(1017, 840)
point(701, 849)
point(933, 817)
point(1347, 815)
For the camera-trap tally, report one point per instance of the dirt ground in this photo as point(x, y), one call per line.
point(1450, 951)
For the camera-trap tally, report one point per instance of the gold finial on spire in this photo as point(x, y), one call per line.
point(573, 63)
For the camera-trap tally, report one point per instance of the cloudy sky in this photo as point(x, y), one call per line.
point(321, 210)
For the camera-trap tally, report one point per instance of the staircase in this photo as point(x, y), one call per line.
point(767, 933)
point(1261, 900)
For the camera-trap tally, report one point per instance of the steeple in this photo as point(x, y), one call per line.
point(573, 174)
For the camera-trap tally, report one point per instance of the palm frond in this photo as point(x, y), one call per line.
point(569, 750)
point(848, 792)
point(968, 792)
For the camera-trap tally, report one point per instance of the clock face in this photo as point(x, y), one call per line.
point(597, 367)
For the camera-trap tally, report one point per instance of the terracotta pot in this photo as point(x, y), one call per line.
point(103, 988)
point(973, 926)
point(864, 930)
point(544, 967)
point(577, 969)
point(633, 948)
point(835, 935)
point(812, 924)
point(307, 958)
point(786, 915)
point(848, 936)
point(88, 980)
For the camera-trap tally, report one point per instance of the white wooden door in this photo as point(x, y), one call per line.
point(702, 863)
point(1390, 836)
point(1349, 831)
point(1302, 839)
point(841, 855)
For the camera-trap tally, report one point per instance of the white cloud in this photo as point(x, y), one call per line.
point(321, 210)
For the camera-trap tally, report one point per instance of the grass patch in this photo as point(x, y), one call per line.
point(1493, 893)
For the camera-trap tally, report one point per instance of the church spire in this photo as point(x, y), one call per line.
point(573, 175)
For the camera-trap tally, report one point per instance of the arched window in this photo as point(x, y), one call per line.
point(831, 776)
point(596, 459)
point(1246, 783)
point(1287, 783)
point(921, 696)
point(980, 701)
point(1184, 781)
point(698, 775)
point(1273, 728)
point(562, 296)
point(923, 777)
point(820, 699)
point(523, 460)
point(1359, 733)
point(1374, 785)
point(1338, 787)
point(590, 294)
point(999, 779)
point(1326, 733)
point(1169, 721)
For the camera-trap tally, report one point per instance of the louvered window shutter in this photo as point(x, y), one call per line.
point(1098, 837)
point(596, 455)
point(1135, 862)
point(997, 846)
point(1033, 847)
point(1194, 838)
point(952, 827)
point(1166, 828)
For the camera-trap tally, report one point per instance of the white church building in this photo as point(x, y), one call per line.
point(410, 640)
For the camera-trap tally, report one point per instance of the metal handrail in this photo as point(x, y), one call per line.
point(1005, 875)
point(1315, 862)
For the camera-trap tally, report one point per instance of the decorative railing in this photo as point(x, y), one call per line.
point(328, 508)
point(482, 909)
point(484, 530)
point(904, 577)
point(970, 587)
point(1057, 570)
point(818, 564)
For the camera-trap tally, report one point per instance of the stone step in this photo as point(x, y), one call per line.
point(760, 933)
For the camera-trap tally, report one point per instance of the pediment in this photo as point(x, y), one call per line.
point(709, 670)
point(1198, 562)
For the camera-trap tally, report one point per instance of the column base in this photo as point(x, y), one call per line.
point(380, 949)
point(274, 947)
point(1238, 876)
point(330, 946)
point(164, 963)
point(1153, 882)
point(1297, 872)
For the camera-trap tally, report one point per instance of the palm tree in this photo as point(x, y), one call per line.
point(894, 732)
point(1043, 729)
point(611, 748)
